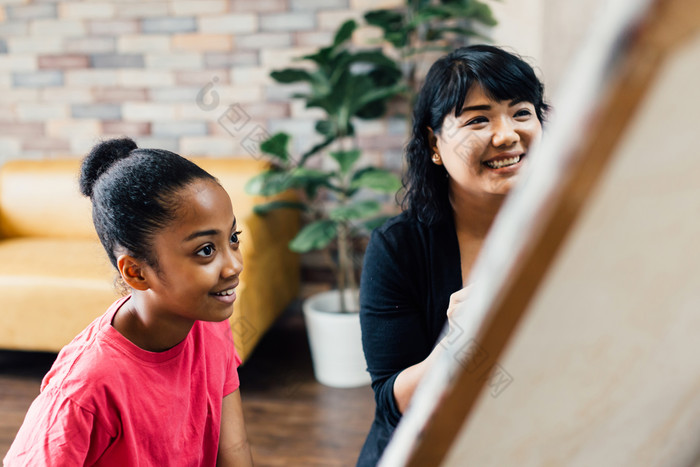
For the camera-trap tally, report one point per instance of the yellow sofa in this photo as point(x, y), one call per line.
point(55, 277)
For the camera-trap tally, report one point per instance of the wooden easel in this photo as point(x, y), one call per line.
point(581, 342)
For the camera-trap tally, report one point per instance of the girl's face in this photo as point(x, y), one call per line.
point(199, 257)
point(483, 148)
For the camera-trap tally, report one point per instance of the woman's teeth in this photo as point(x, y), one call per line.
point(225, 292)
point(503, 162)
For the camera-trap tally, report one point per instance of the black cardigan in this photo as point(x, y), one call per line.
point(410, 270)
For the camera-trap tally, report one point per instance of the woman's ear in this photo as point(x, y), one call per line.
point(132, 271)
point(432, 141)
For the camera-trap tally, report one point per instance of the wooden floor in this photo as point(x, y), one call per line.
point(291, 419)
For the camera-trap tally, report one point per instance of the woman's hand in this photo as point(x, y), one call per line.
point(406, 382)
point(456, 299)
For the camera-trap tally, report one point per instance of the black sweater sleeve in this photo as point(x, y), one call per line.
point(392, 316)
point(410, 270)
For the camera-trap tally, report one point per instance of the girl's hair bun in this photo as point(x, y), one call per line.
point(100, 159)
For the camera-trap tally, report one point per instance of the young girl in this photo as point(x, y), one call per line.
point(154, 381)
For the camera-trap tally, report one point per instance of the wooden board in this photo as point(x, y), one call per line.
point(579, 343)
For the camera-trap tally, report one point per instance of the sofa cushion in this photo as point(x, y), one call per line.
point(41, 199)
point(72, 278)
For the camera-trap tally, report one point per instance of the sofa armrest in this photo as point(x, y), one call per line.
point(271, 273)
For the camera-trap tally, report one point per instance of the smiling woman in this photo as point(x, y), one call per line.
point(165, 352)
point(477, 116)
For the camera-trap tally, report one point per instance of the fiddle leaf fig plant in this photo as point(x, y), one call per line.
point(346, 85)
point(422, 26)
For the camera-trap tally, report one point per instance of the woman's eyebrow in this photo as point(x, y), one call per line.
point(474, 107)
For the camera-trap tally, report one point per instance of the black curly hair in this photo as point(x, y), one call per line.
point(503, 76)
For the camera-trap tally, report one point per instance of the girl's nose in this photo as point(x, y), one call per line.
point(504, 133)
point(233, 263)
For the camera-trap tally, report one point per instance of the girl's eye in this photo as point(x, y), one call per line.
point(234, 237)
point(206, 251)
point(523, 113)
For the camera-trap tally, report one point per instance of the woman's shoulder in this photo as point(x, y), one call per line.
point(407, 227)
point(404, 224)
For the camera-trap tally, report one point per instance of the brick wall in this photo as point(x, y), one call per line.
point(191, 76)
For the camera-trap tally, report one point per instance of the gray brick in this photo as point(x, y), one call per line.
point(37, 79)
point(14, 28)
point(31, 11)
point(167, 143)
point(179, 128)
point(90, 45)
point(274, 40)
point(174, 94)
point(99, 111)
point(168, 25)
point(318, 4)
point(297, 21)
point(231, 59)
point(283, 92)
point(117, 61)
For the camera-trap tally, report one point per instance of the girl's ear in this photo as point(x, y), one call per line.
point(132, 271)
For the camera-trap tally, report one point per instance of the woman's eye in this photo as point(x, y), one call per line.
point(206, 251)
point(234, 237)
point(477, 120)
point(523, 113)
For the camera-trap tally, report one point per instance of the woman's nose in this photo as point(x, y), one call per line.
point(504, 133)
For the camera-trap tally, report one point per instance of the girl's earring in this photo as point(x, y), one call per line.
point(436, 158)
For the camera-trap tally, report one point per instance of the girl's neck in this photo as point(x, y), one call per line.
point(147, 331)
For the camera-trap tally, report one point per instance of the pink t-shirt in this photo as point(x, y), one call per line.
point(107, 402)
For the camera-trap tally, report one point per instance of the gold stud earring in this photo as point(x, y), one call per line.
point(436, 158)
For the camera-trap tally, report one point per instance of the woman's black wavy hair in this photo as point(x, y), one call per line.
point(134, 193)
point(503, 76)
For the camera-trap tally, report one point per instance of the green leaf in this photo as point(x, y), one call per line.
point(357, 210)
point(346, 159)
point(291, 75)
point(276, 145)
point(268, 183)
point(393, 25)
point(344, 32)
point(376, 179)
point(310, 180)
point(323, 144)
point(262, 209)
point(371, 95)
point(314, 236)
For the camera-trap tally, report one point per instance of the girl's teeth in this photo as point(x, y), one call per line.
point(226, 292)
point(503, 162)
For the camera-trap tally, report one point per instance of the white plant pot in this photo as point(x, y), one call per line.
point(336, 340)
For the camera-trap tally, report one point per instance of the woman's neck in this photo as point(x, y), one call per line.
point(474, 214)
point(473, 218)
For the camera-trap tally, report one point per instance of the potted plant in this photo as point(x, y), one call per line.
point(336, 193)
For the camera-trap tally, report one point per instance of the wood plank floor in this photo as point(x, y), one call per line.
point(291, 419)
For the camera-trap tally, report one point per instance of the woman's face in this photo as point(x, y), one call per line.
point(483, 148)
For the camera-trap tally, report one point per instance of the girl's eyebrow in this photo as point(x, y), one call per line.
point(206, 233)
point(201, 233)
